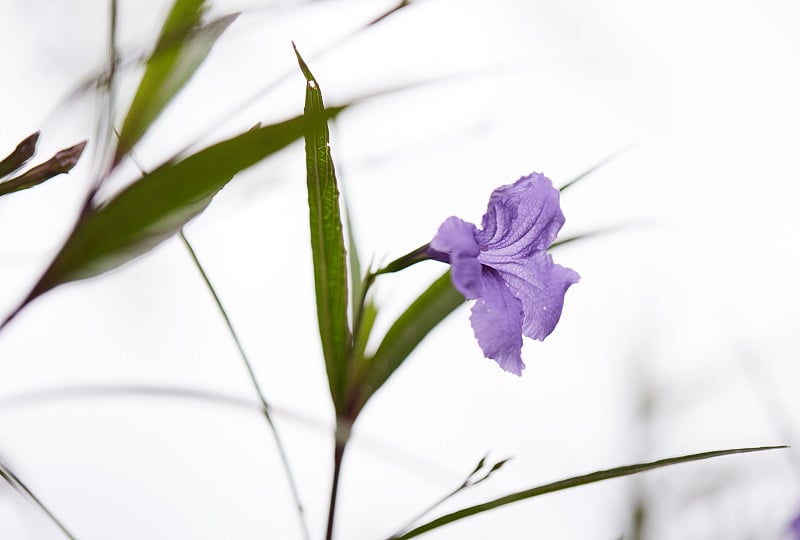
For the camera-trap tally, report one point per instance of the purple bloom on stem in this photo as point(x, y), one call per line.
point(506, 268)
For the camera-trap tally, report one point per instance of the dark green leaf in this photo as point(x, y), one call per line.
point(61, 163)
point(182, 46)
point(21, 154)
point(327, 246)
point(570, 483)
point(422, 316)
point(157, 205)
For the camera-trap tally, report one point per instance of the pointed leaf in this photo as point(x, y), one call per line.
point(21, 154)
point(327, 245)
point(157, 205)
point(61, 163)
point(570, 483)
point(422, 316)
point(182, 47)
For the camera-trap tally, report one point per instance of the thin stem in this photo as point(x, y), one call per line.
point(17, 484)
point(407, 527)
point(248, 365)
point(338, 455)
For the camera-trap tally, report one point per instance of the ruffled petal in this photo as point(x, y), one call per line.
point(456, 239)
point(521, 217)
point(497, 323)
point(540, 285)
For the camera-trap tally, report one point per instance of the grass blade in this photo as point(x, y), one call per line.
point(571, 483)
point(327, 245)
point(182, 47)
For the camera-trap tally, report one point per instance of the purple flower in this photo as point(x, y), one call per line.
point(505, 266)
point(794, 527)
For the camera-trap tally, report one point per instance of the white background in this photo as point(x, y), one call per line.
point(682, 335)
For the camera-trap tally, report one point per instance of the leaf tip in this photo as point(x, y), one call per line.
point(303, 66)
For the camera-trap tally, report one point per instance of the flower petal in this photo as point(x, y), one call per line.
point(540, 285)
point(521, 217)
point(497, 323)
point(456, 239)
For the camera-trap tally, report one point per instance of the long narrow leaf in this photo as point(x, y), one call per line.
point(571, 483)
point(182, 47)
point(157, 205)
point(422, 316)
point(327, 245)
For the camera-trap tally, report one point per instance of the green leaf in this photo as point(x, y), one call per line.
point(356, 280)
point(21, 154)
point(327, 246)
point(369, 312)
point(422, 316)
point(182, 47)
point(61, 163)
point(158, 204)
point(570, 483)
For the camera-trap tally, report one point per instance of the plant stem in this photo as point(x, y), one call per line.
point(16, 483)
point(264, 405)
point(338, 455)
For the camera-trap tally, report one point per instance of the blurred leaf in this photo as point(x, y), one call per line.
point(391, 11)
point(182, 46)
point(570, 239)
point(405, 334)
point(157, 205)
point(570, 483)
point(327, 245)
point(21, 154)
point(593, 168)
point(60, 163)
